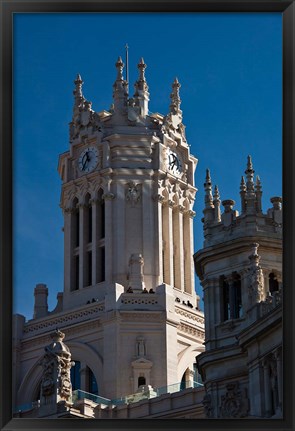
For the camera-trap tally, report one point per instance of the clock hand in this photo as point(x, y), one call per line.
point(85, 161)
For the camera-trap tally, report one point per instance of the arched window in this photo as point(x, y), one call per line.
point(225, 300)
point(231, 297)
point(237, 297)
point(92, 383)
point(75, 376)
point(141, 381)
point(273, 283)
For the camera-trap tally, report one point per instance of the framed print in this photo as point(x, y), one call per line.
point(147, 215)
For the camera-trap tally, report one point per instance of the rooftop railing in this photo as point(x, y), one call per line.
point(78, 394)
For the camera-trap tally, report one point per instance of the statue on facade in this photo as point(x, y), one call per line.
point(56, 382)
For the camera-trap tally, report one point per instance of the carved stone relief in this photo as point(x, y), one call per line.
point(235, 403)
point(208, 407)
point(133, 193)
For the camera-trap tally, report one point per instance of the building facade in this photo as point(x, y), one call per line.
point(129, 308)
point(133, 326)
point(240, 269)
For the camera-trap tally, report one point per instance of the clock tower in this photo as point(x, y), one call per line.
point(129, 310)
point(127, 196)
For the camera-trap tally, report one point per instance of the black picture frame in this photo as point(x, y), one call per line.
point(8, 8)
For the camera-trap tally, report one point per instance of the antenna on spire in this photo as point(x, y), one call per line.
point(127, 69)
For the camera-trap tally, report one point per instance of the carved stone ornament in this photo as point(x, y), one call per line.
point(235, 403)
point(133, 193)
point(56, 365)
point(208, 408)
point(255, 277)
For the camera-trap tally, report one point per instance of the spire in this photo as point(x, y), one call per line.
point(142, 66)
point(216, 203)
point(250, 196)
point(249, 175)
point(120, 88)
point(208, 190)
point(258, 190)
point(175, 99)
point(208, 211)
point(141, 95)
point(243, 189)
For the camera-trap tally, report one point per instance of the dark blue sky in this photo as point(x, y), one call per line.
point(230, 69)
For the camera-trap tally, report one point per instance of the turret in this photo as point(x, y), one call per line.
point(120, 93)
point(219, 227)
point(141, 95)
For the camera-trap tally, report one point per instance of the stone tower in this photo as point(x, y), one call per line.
point(129, 308)
point(240, 269)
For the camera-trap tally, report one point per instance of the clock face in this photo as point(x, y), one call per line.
point(88, 159)
point(174, 162)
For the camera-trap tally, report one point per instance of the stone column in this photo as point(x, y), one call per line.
point(160, 239)
point(188, 246)
point(149, 234)
point(81, 244)
point(178, 247)
point(267, 388)
point(108, 198)
point(168, 242)
point(68, 248)
point(94, 203)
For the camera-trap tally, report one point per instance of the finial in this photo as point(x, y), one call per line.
point(249, 163)
point(174, 96)
point(258, 183)
point(208, 177)
point(141, 67)
point(141, 95)
point(216, 193)
point(216, 202)
point(57, 335)
point(78, 87)
point(243, 184)
point(120, 66)
point(250, 175)
point(243, 190)
point(120, 86)
point(78, 79)
point(208, 190)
